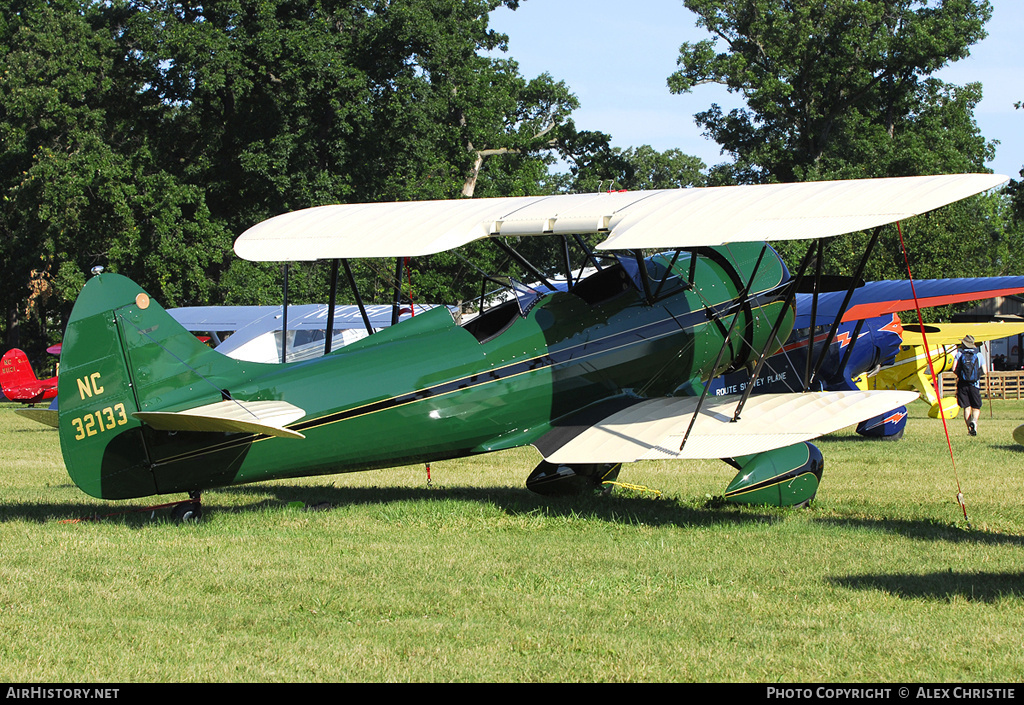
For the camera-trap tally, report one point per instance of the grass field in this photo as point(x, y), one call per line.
point(473, 578)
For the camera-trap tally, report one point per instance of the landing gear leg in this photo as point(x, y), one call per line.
point(190, 511)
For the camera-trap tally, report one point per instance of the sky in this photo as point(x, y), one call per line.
point(616, 56)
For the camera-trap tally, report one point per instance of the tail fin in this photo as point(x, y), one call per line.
point(19, 383)
point(15, 370)
point(123, 353)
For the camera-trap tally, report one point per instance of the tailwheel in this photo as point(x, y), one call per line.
point(189, 511)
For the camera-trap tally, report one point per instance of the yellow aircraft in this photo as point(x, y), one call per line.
point(909, 370)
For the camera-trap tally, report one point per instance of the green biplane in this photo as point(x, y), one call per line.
point(609, 371)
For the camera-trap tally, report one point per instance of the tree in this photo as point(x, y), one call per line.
point(81, 179)
point(143, 135)
point(827, 84)
point(527, 129)
point(1015, 189)
point(286, 104)
point(844, 90)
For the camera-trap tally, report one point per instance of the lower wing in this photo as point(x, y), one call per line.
point(653, 429)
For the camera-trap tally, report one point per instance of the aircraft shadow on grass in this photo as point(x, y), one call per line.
point(513, 501)
point(927, 530)
point(974, 587)
point(1011, 447)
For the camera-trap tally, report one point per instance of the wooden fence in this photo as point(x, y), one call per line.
point(995, 385)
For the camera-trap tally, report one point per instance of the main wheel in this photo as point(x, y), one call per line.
point(187, 512)
point(554, 480)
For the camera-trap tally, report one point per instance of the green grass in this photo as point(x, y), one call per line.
point(473, 578)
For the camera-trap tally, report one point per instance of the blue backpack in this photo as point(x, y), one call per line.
point(969, 367)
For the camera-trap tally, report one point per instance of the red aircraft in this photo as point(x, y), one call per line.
point(19, 383)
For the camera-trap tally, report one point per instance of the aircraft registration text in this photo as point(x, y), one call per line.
point(99, 421)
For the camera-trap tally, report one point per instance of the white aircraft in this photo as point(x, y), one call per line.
point(253, 333)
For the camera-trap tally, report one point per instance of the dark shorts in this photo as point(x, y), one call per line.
point(968, 396)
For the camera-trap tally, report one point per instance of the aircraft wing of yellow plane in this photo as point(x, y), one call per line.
point(909, 371)
point(953, 333)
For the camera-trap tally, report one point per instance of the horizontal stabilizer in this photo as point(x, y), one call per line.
point(265, 417)
point(47, 417)
point(653, 429)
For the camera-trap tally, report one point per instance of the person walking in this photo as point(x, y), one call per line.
point(968, 366)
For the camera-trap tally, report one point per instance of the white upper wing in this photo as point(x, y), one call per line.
point(631, 219)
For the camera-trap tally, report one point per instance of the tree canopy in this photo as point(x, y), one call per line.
point(143, 135)
point(837, 90)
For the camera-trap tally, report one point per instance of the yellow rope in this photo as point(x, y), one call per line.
point(638, 488)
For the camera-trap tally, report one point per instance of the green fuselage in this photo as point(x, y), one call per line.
point(422, 390)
